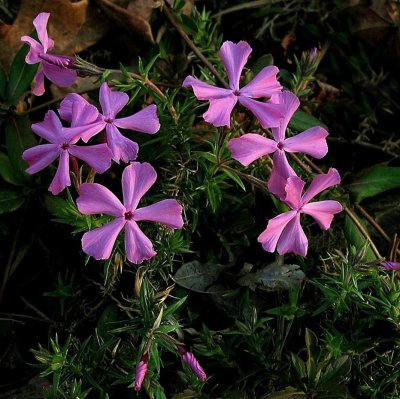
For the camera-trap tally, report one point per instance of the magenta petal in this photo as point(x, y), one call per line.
point(219, 111)
point(78, 111)
point(293, 238)
point(193, 363)
point(38, 88)
point(145, 121)
point(95, 198)
point(141, 370)
point(279, 175)
point(312, 142)
point(320, 183)
point(61, 178)
point(50, 129)
point(40, 156)
point(250, 147)
point(96, 156)
point(205, 91)
point(99, 242)
point(34, 51)
point(322, 211)
point(264, 84)
point(268, 114)
point(123, 149)
point(137, 246)
point(390, 265)
point(60, 76)
point(168, 212)
point(270, 236)
point(290, 102)
point(137, 178)
point(65, 109)
point(294, 188)
point(40, 24)
point(111, 101)
point(234, 56)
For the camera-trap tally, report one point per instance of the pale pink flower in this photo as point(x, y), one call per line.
point(112, 102)
point(56, 68)
point(137, 178)
point(141, 370)
point(252, 146)
point(284, 232)
point(234, 57)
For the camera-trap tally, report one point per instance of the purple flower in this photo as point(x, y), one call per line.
point(390, 265)
point(94, 198)
point(141, 370)
point(234, 56)
point(284, 231)
point(56, 68)
point(112, 102)
point(61, 145)
point(252, 146)
point(192, 362)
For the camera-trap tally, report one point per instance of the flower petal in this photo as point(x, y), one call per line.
point(77, 110)
point(146, 121)
point(312, 142)
point(279, 175)
point(60, 76)
point(322, 211)
point(234, 56)
point(38, 87)
point(40, 156)
point(270, 236)
point(290, 102)
point(137, 245)
point(219, 111)
point(111, 101)
point(264, 84)
point(95, 199)
point(250, 147)
point(50, 129)
point(293, 238)
point(40, 24)
point(99, 242)
point(61, 178)
point(320, 183)
point(205, 91)
point(137, 178)
point(294, 188)
point(168, 212)
point(96, 156)
point(268, 114)
point(34, 51)
point(123, 149)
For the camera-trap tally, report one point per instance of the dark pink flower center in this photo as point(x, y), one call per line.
point(236, 92)
point(65, 146)
point(128, 215)
point(280, 145)
point(108, 120)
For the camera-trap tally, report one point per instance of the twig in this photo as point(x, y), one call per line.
point(189, 42)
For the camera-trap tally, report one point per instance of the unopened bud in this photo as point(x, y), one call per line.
point(141, 370)
point(192, 362)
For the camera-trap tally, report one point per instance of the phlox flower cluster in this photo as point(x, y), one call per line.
point(284, 232)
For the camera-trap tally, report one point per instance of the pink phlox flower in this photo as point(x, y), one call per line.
point(252, 146)
point(234, 57)
point(390, 265)
point(192, 362)
point(94, 198)
point(56, 68)
point(112, 102)
point(284, 231)
point(62, 144)
point(141, 370)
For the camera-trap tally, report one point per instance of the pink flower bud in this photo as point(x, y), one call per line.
point(141, 370)
point(192, 362)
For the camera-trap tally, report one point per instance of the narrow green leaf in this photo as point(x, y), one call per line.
point(173, 307)
point(374, 181)
point(21, 75)
point(302, 121)
point(10, 200)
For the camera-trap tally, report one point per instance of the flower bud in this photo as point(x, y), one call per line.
point(192, 362)
point(141, 370)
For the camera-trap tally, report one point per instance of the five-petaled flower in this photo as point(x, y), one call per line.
point(62, 144)
point(137, 178)
point(284, 232)
point(112, 102)
point(252, 146)
point(56, 68)
point(234, 57)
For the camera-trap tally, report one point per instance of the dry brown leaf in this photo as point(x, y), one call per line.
point(74, 26)
point(134, 19)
